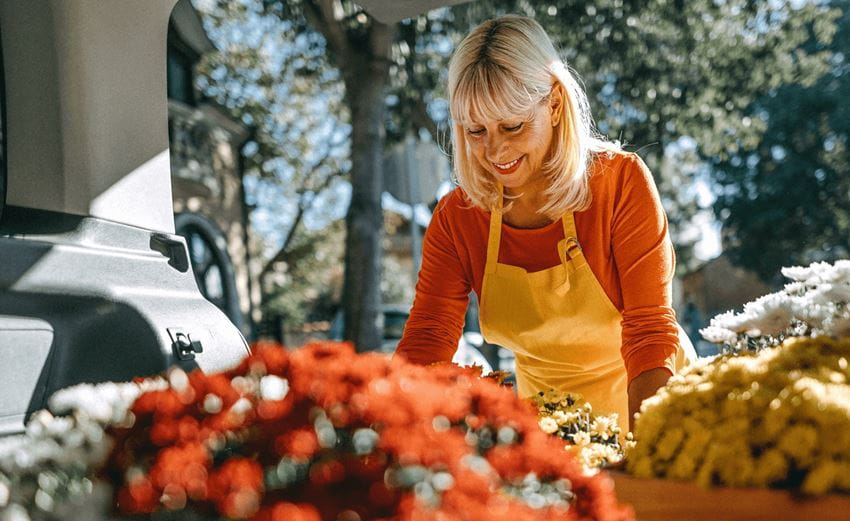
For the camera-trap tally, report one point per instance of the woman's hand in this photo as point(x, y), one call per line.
point(642, 387)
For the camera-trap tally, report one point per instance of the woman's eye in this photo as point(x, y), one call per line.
point(514, 128)
point(475, 132)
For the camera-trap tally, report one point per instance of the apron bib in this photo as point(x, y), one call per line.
point(559, 322)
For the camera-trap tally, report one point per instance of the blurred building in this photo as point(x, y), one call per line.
point(206, 167)
point(415, 170)
point(715, 287)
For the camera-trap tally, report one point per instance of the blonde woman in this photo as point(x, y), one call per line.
point(560, 233)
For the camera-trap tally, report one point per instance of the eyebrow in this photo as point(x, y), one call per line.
point(511, 120)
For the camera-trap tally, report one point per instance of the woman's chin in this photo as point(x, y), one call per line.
point(511, 181)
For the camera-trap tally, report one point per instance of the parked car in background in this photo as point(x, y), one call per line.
point(467, 353)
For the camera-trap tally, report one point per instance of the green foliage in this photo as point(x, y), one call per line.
point(718, 76)
point(275, 78)
point(784, 199)
point(311, 279)
point(654, 70)
point(397, 282)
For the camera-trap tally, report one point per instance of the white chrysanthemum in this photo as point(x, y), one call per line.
point(548, 425)
point(718, 335)
point(841, 271)
point(273, 388)
point(746, 321)
point(604, 426)
point(581, 438)
point(49, 466)
point(722, 319)
point(797, 273)
point(831, 293)
point(816, 302)
point(106, 403)
point(774, 314)
point(794, 288)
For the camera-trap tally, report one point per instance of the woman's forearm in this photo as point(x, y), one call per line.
point(642, 387)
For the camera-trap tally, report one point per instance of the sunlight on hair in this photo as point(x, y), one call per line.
point(487, 91)
point(501, 70)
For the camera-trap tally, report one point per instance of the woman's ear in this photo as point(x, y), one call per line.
point(556, 103)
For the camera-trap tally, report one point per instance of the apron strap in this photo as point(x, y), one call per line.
point(495, 234)
point(569, 225)
point(572, 255)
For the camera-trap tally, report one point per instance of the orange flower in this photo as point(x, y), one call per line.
point(164, 432)
point(451, 444)
point(165, 403)
point(182, 465)
point(288, 512)
point(236, 487)
point(327, 472)
point(300, 443)
point(139, 496)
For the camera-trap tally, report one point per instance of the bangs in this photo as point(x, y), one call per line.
point(504, 69)
point(485, 91)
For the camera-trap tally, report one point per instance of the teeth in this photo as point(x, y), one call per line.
point(506, 165)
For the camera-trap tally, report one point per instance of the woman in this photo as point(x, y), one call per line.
point(560, 233)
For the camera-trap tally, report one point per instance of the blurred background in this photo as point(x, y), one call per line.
point(309, 145)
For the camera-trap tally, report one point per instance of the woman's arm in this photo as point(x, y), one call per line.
point(642, 387)
point(433, 329)
point(645, 264)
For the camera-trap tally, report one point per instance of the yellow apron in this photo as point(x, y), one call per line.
point(562, 327)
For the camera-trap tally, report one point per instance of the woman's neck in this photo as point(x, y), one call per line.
point(525, 205)
point(524, 212)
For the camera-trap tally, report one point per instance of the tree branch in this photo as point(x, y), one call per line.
point(418, 112)
point(381, 37)
point(304, 205)
point(421, 119)
point(320, 13)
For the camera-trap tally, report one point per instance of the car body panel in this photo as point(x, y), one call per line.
point(94, 285)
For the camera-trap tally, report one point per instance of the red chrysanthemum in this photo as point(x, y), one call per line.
point(236, 487)
point(324, 433)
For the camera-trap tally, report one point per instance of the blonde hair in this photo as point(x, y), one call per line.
point(502, 69)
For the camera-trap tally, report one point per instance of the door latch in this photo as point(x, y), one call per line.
point(184, 346)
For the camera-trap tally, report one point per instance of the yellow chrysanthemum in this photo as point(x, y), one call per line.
point(776, 417)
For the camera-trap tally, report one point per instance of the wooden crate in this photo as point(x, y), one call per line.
point(666, 500)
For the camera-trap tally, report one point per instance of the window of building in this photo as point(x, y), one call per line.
point(180, 77)
point(180, 71)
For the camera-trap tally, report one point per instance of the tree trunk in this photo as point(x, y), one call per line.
point(364, 221)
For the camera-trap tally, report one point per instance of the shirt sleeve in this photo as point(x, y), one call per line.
point(645, 262)
point(433, 329)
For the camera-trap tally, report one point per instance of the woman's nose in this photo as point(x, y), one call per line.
point(495, 145)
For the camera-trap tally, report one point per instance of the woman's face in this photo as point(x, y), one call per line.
point(514, 149)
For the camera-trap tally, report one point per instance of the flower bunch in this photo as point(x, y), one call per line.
point(816, 302)
point(594, 439)
point(322, 433)
point(778, 418)
point(47, 472)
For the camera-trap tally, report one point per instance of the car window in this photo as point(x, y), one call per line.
point(394, 324)
point(2, 134)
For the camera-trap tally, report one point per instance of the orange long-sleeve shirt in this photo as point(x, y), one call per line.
point(624, 238)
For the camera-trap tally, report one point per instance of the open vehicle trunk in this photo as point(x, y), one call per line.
point(94, 284)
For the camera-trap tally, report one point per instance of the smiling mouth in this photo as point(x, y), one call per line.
point(509, 167)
